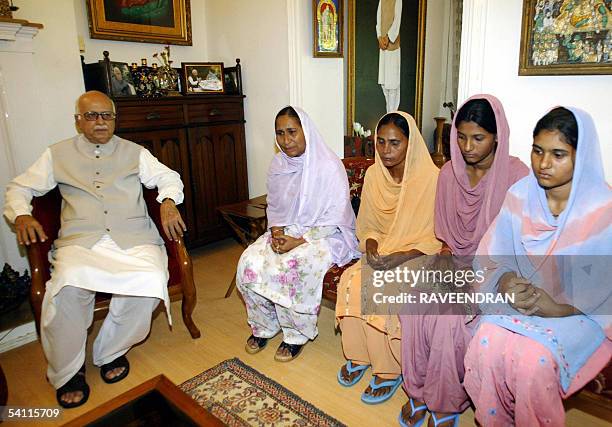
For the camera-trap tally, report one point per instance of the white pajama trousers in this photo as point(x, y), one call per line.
point(392, 99)
point(66, 318)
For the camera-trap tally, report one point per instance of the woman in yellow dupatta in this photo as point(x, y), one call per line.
point(395, 224)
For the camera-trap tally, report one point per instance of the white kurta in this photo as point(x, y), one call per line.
point(138, 271)
point(389, 61)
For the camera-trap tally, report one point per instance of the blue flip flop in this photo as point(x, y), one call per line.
point(454, 418)
point(414, 411)
point(351, 369)
point(373, 400)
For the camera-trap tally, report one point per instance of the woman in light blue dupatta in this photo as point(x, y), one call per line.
point(547, 249)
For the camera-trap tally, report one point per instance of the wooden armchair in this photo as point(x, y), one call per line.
point(46, 210)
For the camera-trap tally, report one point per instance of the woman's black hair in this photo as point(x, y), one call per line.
point(396, 119)
point(288, 111)
point(562, 120)
point(478, 111)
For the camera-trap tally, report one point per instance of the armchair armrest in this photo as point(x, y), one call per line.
point(40, 270)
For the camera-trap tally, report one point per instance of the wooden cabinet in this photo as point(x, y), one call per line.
point(202, 138)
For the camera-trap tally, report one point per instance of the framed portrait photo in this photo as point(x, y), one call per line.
point(147, 21)
point(202, 78)
point(327, 28)
point(121, 80)
point(566, 37)
point(375, 63)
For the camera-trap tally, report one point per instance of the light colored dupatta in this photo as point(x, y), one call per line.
point(400, 216)
point(566, 256)
point(312, 190)
point(463, 212)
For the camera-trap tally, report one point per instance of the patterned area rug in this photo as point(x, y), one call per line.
point(240, 396)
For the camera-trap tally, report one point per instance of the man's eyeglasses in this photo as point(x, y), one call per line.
point(93, 115)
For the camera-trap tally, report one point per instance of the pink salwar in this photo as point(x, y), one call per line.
point(432, 360)
point(514, 380)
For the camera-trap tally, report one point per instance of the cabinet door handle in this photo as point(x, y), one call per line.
point(153, 116)
point(214, 112)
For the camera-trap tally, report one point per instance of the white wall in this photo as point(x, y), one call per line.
point(316, 84)
point(255, 32)
point(42, 79)
point(132, 52)
point(489, 63)
point(58, 81)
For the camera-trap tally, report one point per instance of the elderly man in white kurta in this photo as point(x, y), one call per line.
point(107, 243)
point(388, 21)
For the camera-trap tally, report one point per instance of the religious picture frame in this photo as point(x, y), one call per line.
point(566, 37)
point(202, 78)
point(146, 21)
point(327, 28)
point(366, 102)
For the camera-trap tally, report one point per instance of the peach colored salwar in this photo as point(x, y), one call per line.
point(400, 217)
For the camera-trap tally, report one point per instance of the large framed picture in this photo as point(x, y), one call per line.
point(565, 37)
point(327, 28)
point(384, 74)
point(147, 21)
point(202, 78)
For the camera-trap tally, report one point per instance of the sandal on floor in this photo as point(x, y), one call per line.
point(76, 383)
point(413, 410)
point(373, 400)
point(294, 351)
point(261, 343)
point(351, 369)
point(120, 362)
point(438, 421)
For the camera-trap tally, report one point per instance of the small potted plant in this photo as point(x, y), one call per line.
point(360, 144)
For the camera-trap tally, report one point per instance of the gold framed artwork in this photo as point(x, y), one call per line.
point(327, 28)
point(147, 21)
point(404, 22)
point(566, 37)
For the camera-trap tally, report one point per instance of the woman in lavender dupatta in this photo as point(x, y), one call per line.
point(549, 248)
point(470, 192)
point(311, 227)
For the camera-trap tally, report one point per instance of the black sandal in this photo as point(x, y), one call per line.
point(76, 383)
point(261, 343)
point(294, 351)
point(120, 362)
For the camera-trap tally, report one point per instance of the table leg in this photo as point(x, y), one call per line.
point(231, 287)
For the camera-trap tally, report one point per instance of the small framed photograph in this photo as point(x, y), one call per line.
point(202, 78)
point(121, 80)
point(327, 26)
point(232, 87)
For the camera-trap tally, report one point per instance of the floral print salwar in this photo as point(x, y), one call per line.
point(283, 291)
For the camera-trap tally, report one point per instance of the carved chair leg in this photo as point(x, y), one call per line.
point(231, 287)
point(188, 289)
point(187, 306)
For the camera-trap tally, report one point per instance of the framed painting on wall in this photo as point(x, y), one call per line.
point(565, 37)
point(327, 28)
point(384, 73)
point(147, 21)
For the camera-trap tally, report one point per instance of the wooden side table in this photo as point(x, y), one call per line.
point(154, 402)
point(248, 219)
